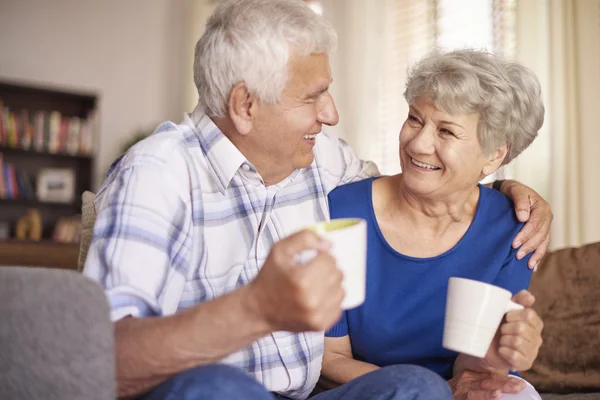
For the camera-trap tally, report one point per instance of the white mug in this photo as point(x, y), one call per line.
point(348, 238)
point(473, 313)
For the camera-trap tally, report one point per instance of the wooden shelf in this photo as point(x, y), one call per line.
point(30, 97)
point(37, 203)
point(34, 153)
point(44, 253)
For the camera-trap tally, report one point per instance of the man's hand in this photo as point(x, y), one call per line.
point(299, 298)
point(283, 297)
point(530, 207)
point(470, 385)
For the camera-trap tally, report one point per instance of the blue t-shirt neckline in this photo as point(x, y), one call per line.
point(397, 254)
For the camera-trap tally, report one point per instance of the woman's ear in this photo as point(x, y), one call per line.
point(241, 107)
point(495, 159)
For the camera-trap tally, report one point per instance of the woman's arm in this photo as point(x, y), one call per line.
point(339, 366)
point(514, 347)
point(518, 339)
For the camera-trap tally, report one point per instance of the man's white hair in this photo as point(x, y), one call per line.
point(507, 96)
point(251, 41)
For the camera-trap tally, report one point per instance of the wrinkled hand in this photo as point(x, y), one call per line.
point(530, 207)
point(299, 298)
point(518, 340)
point(470, 385)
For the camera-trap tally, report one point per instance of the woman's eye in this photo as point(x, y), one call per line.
point(446, 132)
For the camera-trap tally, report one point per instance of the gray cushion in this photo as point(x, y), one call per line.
point(56, 338)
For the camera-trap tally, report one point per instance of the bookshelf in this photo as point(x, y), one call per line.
point(46, 163)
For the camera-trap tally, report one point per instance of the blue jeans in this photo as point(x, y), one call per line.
point(221, 382)
point(395, 382)
point(211, 382)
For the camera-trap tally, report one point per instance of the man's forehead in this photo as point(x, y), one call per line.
point(316, 63)
point(312, 70)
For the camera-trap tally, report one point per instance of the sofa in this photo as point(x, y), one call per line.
point(56, 338)
point(567, 291)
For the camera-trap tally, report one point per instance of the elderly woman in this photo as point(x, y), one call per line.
point(470, 113)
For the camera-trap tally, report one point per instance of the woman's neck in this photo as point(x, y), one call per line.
point(421, 226)
point(436, 213)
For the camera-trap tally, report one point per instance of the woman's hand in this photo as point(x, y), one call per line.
point(471, 385)
point(530, 207)
point(519, 337)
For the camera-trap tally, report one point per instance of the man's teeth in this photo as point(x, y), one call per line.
point(310, 136)
point(423, 165)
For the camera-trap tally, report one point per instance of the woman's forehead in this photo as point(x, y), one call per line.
point(426, 106)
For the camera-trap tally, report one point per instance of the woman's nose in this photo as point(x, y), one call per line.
point(424, 141)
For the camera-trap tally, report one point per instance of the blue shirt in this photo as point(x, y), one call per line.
point(402, 319)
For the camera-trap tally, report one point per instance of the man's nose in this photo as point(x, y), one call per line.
point(327, 113)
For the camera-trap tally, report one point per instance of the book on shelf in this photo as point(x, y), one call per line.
point(46, 131)
point(14, 183)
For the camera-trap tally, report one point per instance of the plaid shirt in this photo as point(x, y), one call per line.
point(183, 218)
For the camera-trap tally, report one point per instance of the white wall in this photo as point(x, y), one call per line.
point(533, 166)
point(354, 87)
point(588, 39)
point(131, 53)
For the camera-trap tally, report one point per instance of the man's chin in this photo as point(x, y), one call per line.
point(303, 160)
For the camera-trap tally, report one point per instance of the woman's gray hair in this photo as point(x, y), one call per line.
point(251, 41)
point(507, 96)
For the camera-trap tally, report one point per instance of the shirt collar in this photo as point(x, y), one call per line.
point(223, 157)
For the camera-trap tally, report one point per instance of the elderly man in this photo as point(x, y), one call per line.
point(192, 240)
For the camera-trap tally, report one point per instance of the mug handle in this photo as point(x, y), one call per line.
point(511, 306)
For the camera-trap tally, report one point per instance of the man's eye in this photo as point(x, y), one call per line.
point(412, 118)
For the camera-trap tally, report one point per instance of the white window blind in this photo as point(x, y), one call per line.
point(405, 30)
point(416, 28)
point(409, 33)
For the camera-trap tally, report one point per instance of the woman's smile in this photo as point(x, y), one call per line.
point(421, 166)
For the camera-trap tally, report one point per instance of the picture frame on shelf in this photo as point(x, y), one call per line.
point(56, 185)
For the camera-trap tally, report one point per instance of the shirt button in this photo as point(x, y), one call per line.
point(246, 167)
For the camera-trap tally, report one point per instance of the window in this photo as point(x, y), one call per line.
point(403, 31)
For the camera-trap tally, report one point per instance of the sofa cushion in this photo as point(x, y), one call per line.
point(567, 291)
point(573, 396)
point(88, 218)
point(56, 337)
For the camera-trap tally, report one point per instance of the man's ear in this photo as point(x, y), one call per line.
point(495, 159)
point(241, 107)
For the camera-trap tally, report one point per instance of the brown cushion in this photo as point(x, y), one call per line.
point(567, 289)
point(88, 218)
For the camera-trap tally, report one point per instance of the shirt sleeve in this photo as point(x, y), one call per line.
point(342, 166)
point(501, 174)
point(356, 169)
point(140, 246)
point(514, 274)
point(340, 329)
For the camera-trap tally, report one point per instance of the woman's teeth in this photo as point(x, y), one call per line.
point(423, 165)
point(309, 137)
